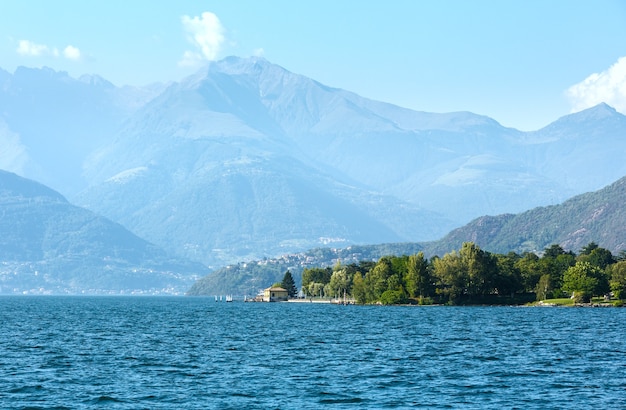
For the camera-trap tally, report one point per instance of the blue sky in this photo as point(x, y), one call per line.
point(523, 63)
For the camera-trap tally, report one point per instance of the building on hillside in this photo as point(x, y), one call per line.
point(275, 294)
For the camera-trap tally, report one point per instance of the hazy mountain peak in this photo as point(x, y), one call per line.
point(95, 80)
point(12, 185)
point(253, 68)
point(590, 123)
point(23, 73)
point(600, 112)
point(597, 112)
point(242, 65)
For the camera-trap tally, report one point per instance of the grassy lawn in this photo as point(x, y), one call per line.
point(560, 301)
point(570, 302)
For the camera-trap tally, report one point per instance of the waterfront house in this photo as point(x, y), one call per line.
point(275, 294)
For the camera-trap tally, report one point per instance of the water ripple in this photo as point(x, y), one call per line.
point(195, 353)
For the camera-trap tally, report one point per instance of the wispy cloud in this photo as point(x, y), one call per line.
point(28, 48)
point(608, 86)
point(72, 53)
point(31, 49)
point(206, 33)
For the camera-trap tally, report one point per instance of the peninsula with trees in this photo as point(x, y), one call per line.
point(471, 275)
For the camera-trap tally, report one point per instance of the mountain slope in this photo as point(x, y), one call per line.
point(583, 151)
point(245, 159)
point(592, 217)
point(52, 121)
point(597, 217)
point(460, 164)
point(249, 205)
point(50, 246)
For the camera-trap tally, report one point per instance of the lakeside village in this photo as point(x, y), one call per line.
point(469, 276)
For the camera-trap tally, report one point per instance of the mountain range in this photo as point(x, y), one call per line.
point(245, 159)
point(49, 246)
point(598, 217)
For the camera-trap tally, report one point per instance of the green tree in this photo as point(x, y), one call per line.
point(543, 289)
point(315, 289)
point(553, 251)
point(451, 276)
point(585, 280)
point(481, 268)
point(617, 273)
point(417, 278)
point(339, 282)
point(376, 279)
point(554, 262)
point(590, 247)
point(358, 289)
point(392, 297)
point(315, 275)
point(597, 256)
point(508, 281)
point(328, 292)
point(289, 284)
point(528, 267)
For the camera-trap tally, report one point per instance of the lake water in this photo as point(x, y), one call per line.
point(86, 352)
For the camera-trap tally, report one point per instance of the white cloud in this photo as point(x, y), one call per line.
point(206, 34)
point(31, 49)
point(72, 53)
point(28, 48)
point(609, 87)
point(259, 52)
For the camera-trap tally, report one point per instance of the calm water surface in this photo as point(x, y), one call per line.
point(98, 352)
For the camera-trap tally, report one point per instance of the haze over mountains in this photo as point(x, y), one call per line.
point(598, 217)
point(246, 159)
point(50, 122)
point(49, 246)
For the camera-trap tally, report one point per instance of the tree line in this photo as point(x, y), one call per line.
point(471, 275)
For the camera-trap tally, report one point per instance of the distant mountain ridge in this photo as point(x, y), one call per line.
point(49, 246)
point(58, 120)
point(598, 217)
point(245, 159)
point(208, 141)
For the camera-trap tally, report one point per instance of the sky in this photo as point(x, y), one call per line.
point(522, 63)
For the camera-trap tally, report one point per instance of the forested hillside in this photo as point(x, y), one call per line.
point(247, 278)
point(596, 217)
point(49, 246)
point(592, 217)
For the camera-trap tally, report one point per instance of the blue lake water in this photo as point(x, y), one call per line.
point(86, 352)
